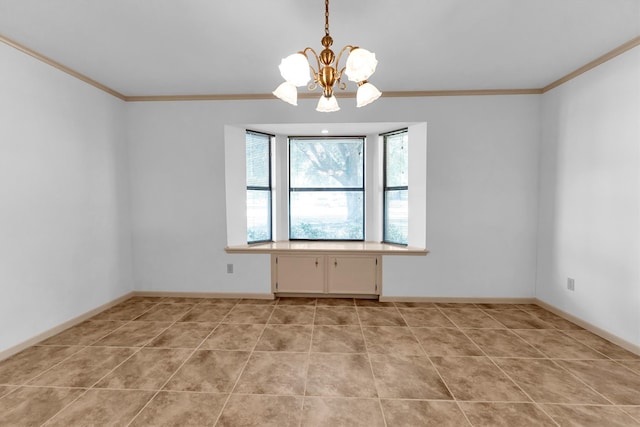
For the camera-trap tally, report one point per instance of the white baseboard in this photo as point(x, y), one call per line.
point(464, 300)
point(61, 327)
point(203, 294)
point(591, 328)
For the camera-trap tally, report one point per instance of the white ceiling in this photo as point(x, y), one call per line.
point(187, 47)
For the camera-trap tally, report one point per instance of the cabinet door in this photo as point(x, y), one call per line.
point(353, 275)
point(300, 273)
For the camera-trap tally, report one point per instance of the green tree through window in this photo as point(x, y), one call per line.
point(326, 188)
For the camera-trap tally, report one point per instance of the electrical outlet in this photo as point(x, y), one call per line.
point(229, 268)
point(571, 284)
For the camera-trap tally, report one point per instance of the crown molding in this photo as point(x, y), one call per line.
point(61, 67)
point(388, 94)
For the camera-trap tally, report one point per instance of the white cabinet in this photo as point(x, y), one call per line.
point(327, 274)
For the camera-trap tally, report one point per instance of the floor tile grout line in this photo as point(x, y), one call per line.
point(138, 349)
point(555, 362)
point(235, 384)
point(308, 364)
point(181, 365)
point(373, 374)
point(453, 396)
point(532, 400)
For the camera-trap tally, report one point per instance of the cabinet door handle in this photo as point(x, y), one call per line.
point(316, 262)
point(335, 262)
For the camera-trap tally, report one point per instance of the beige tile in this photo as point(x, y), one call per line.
point(455, 305)
point(253, 314)
point(373, 303)
point(32, 406)
point(471, 318)
point(477, 378)
point(427, 317)
point(293, 315)
point(546, 382)
point(404, 413)
point(589, 416)
point(31, 362)
point(261, 411)
point(219, 301)
point(148, 369)
point(209, 371)
point(518, 319)
point(601, 345)
point(407, 377)
point(5, 389)
point(555, 320)
point(336, 411)
point(446, 342)
point(391, 340)
point(336, 316)
point(634, 411)
point(414, 304)
point(134, 334)
point(254, 301)
point(634, 365)
point(497, 306)
point(485, 414)
point(165, 312)
point(273, 373)
point(181, 409)
point(297, 301)
point(181, 300)
point(502, 343)
point(607, 377)
point(556, 344)
point(295, 338)
point(347, 375)
point(183, 335)
point(206, 313)
point(103, 407)
point(380, 317)
point(338, 339)
point(85, 333)
point(335, 302)
point(126, 311)
point(84, 368)
point(233, 336)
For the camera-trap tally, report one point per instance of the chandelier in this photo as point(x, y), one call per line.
point(295, 69)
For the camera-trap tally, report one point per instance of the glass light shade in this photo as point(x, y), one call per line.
point(295, 69)
point(367, 93)
point(287, 92)
point(327, 105)
point(361, 64)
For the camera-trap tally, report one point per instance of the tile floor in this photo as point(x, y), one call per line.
point(325, 362)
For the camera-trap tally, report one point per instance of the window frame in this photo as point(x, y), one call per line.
point(386, 188)
point(268, 188)
point(362, 189)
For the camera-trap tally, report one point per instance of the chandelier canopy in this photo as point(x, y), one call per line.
point(296, 71)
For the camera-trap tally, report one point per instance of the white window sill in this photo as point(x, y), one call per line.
point(346, 248)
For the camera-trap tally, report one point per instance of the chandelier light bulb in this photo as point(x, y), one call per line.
point(367, 93)
point(327, 105)
point(295, 69)
point(361, 64)
point(287, 92)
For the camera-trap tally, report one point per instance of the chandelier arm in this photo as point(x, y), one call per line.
point(351, 48)
point(315, 55)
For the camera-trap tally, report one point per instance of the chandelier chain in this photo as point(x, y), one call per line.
point(326, 17)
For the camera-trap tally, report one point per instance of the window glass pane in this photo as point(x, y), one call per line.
point(326, 163)
point(258, 215)
point(396, 214)
point(258, 160)
point(327, 215)
point(397, 160)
